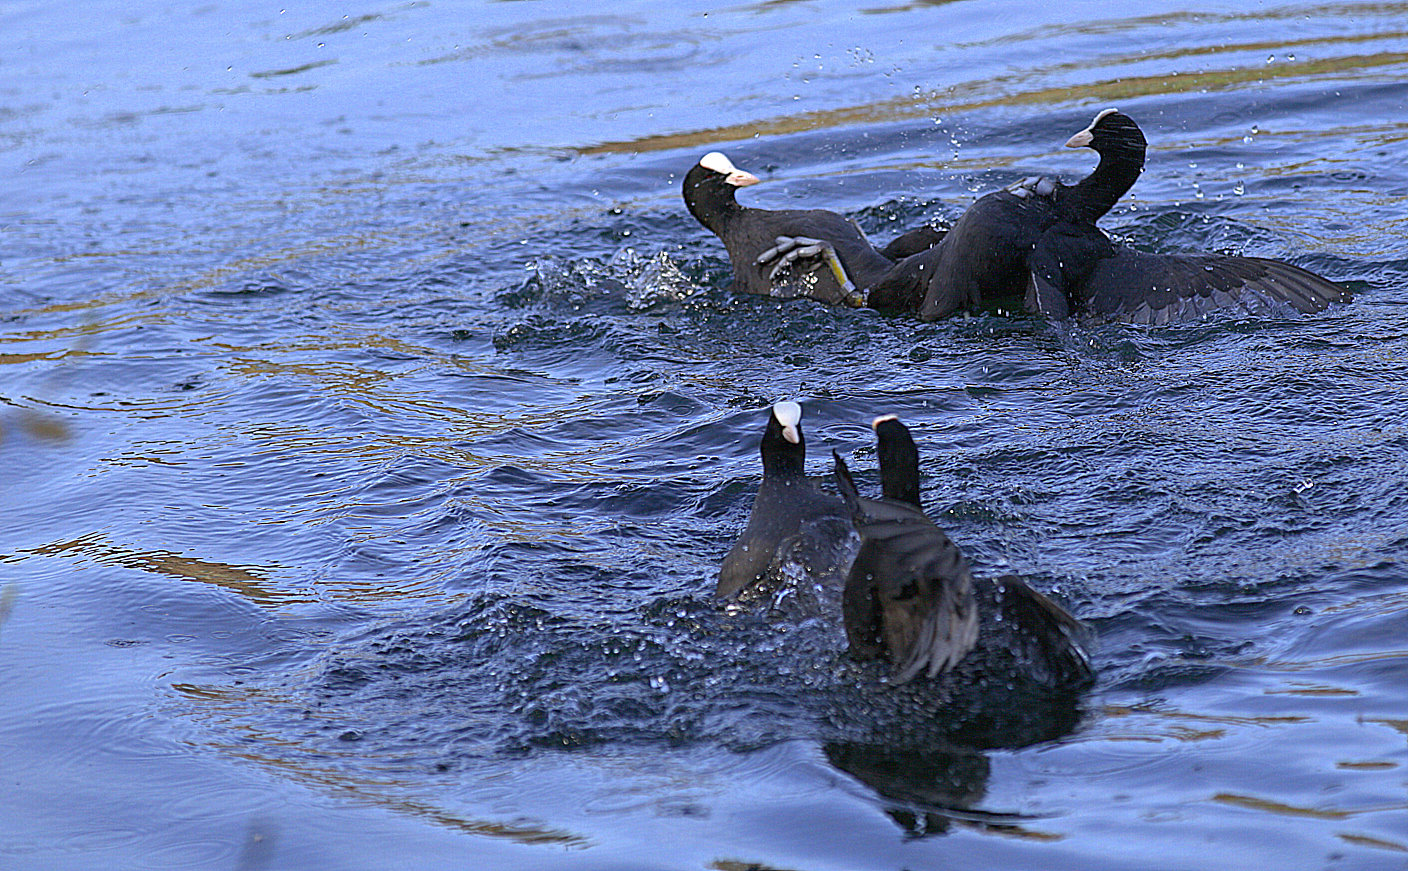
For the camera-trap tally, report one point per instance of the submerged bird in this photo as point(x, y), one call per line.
point(827, 274)
point(911, 598)
point(792, 524)
point(1035, 245)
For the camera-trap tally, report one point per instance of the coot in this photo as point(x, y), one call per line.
point(829, 273)
point(1035, 246)
point(1076, 267)
point(793, 524)
point(911, 598)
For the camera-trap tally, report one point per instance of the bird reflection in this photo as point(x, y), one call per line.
point(925, 783)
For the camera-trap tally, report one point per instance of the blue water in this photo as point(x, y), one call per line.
point(374, 419)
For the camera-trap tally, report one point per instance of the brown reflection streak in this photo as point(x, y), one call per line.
point(249, 581)
point(1366, 841)
point(1275, 807)
point(235, 706)
point(87, 328)
point(971, 97)
point(1148, 711)
point(742, 865)
point(43, 355)
point(1014, 831)
point(1317, 690)
point(1396, 725)
point(1327, 662)
point(1390, 12)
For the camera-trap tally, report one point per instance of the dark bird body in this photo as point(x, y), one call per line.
point(792, 522)
point(911, 598)
point(1035, 246)
point(747, 233)
point(1075, 267)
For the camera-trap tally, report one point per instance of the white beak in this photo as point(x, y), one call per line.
point(1081, 139)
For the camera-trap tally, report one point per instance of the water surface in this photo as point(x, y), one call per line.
point(375, 419)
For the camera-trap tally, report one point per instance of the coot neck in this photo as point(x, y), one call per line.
point(899, 469)
point(781, 458)
point(1121, 162)
point(711, 202)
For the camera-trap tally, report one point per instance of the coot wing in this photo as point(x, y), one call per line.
point(1045, 636)
point(909, 590)
point(1145, 288)
point(912, 242)
point(983, 259)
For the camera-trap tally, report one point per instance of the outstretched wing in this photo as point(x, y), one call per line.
point(1144, 288)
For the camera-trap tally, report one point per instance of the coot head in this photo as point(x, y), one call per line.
point(793, 527)
point(783, 448)
point(709, 188)
point(1111, 132)
point(1120, 144)
point(899, 460)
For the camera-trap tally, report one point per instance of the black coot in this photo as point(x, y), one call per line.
point(1075, 267)
point(983, 257)
point(1035, 246)
point(910, 597)
point(986, 258)
point(828, 273)
point(792, 524)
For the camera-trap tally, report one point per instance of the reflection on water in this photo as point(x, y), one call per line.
point(370, 441)
point(253, 582)
point(927, 789)
point(1118, 78)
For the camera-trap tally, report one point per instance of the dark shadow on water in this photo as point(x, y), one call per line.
point(927, 785)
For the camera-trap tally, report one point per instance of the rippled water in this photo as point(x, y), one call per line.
point(375, 420)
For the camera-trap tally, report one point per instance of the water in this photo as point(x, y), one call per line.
point(375, 419)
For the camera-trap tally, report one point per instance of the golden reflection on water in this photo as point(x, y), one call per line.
point(1397, 725)
point(252, 582)
point(255, 583)
point(1379, 843)
point(1025, 88)
point(1153, 710)
point(1367, 766)
point(1321, 813)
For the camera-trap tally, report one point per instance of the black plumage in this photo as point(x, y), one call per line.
point(710, 190)
point(909, 595)
point(1075, 267)
point(792, 522)
point(1035, 246)
point(911, 598)
point(982, 259)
